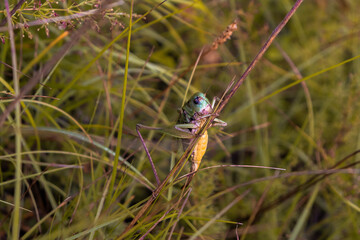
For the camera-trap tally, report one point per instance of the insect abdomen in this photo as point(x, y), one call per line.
point(199, 151)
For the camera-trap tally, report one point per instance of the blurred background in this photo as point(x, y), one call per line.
point(297, 110)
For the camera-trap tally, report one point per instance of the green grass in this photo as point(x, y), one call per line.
point(77, 170)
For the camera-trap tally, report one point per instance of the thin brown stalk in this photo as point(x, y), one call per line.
point(9, 66)
point(303, 84)
point(164, 215)
point(319, 175)
point(180, 212)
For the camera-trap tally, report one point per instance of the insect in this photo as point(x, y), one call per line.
point(192, 117)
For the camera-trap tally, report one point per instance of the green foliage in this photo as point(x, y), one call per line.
point(70, 120)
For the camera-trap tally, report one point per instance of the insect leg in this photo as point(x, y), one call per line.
point(213, 102)
point(138, 127)
point(219, 123)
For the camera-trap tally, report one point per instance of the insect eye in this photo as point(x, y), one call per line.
point(196, 100)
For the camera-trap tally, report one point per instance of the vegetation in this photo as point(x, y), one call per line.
point(72, 165)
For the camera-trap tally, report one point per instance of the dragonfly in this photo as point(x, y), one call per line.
point(192, 117)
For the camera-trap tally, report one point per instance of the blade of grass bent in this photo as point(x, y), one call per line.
point(83, 138)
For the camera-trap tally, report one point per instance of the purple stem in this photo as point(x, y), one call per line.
point(148, 154)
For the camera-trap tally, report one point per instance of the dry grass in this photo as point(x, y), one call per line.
point(76, 169)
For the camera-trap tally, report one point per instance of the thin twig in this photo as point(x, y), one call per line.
point(179, 213)
point(165, 214)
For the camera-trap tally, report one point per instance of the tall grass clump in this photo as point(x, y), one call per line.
point(77, 76)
